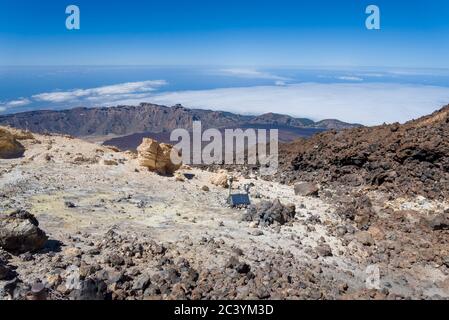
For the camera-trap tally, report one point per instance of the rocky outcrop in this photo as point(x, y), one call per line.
point(269, 212)
point(10, 148)
point(411, 159)
point(157, 156)
point(20, 233)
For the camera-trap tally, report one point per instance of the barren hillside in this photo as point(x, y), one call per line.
point(114, 230)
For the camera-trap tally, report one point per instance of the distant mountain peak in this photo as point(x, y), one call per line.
point(148, 117)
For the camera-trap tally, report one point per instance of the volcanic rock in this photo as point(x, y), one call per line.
point(439, 222)
point(20, 233)
point(365, 238)
point(324, 250)
point(268, 212)
point(220, 179)
point(306, 189)
point(410, 159)
point(157, 156)
point(10, 148)
point(5, 270)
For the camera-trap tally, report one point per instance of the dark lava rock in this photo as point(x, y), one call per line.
point(404, 159)
point(141, 282)
point(306, 189)
point(240, 267)
point(91, 289)
point(115, 260)
point(439, 222)
point(324, 250)
point(5, 270)
point(69, 204)
point(268, 212)
point(359, 210)
point(20, 233)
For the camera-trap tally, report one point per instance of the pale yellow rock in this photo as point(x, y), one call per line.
point(156, 156)
point(180, 177)
point(110, 162)
point(72, 252)
point(220, 179)
point(19, 134)
point(10, 148)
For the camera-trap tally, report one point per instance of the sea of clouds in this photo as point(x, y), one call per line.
point(353, 101)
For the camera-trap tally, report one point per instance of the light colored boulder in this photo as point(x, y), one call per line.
point(157, 156)
point(220, 179)
point(10, 148)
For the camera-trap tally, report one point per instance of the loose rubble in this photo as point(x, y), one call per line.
point(93, 231)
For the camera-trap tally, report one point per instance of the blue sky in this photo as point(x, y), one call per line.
point(238, 33)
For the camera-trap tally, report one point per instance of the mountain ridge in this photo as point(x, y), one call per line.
point(146, 117)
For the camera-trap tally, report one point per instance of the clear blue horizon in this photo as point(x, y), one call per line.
point(321, 33)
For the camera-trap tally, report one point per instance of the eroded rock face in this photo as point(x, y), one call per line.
point(10, 148)
point(157, 156)
point(268, 212)
point(20, 233)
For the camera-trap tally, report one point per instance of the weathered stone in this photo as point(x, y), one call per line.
point(158, 156)
point(306, 189)
point(364, 238)
point(91, 289)
point(5, 270)
point(240, 267)
point(20, 233)
point(10, 148)
point(324, 250)
point(220, 179)
point(268, 212)
point(115, 260)
point(439, 222)
point(72, 252)
point(107, 162)
point(141, 282)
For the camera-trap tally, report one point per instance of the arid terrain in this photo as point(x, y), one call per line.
point(84, 221)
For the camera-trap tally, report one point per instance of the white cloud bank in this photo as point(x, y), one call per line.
point(16, 103)
point(109, 93)
point(369, 104)
point(365, 103)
